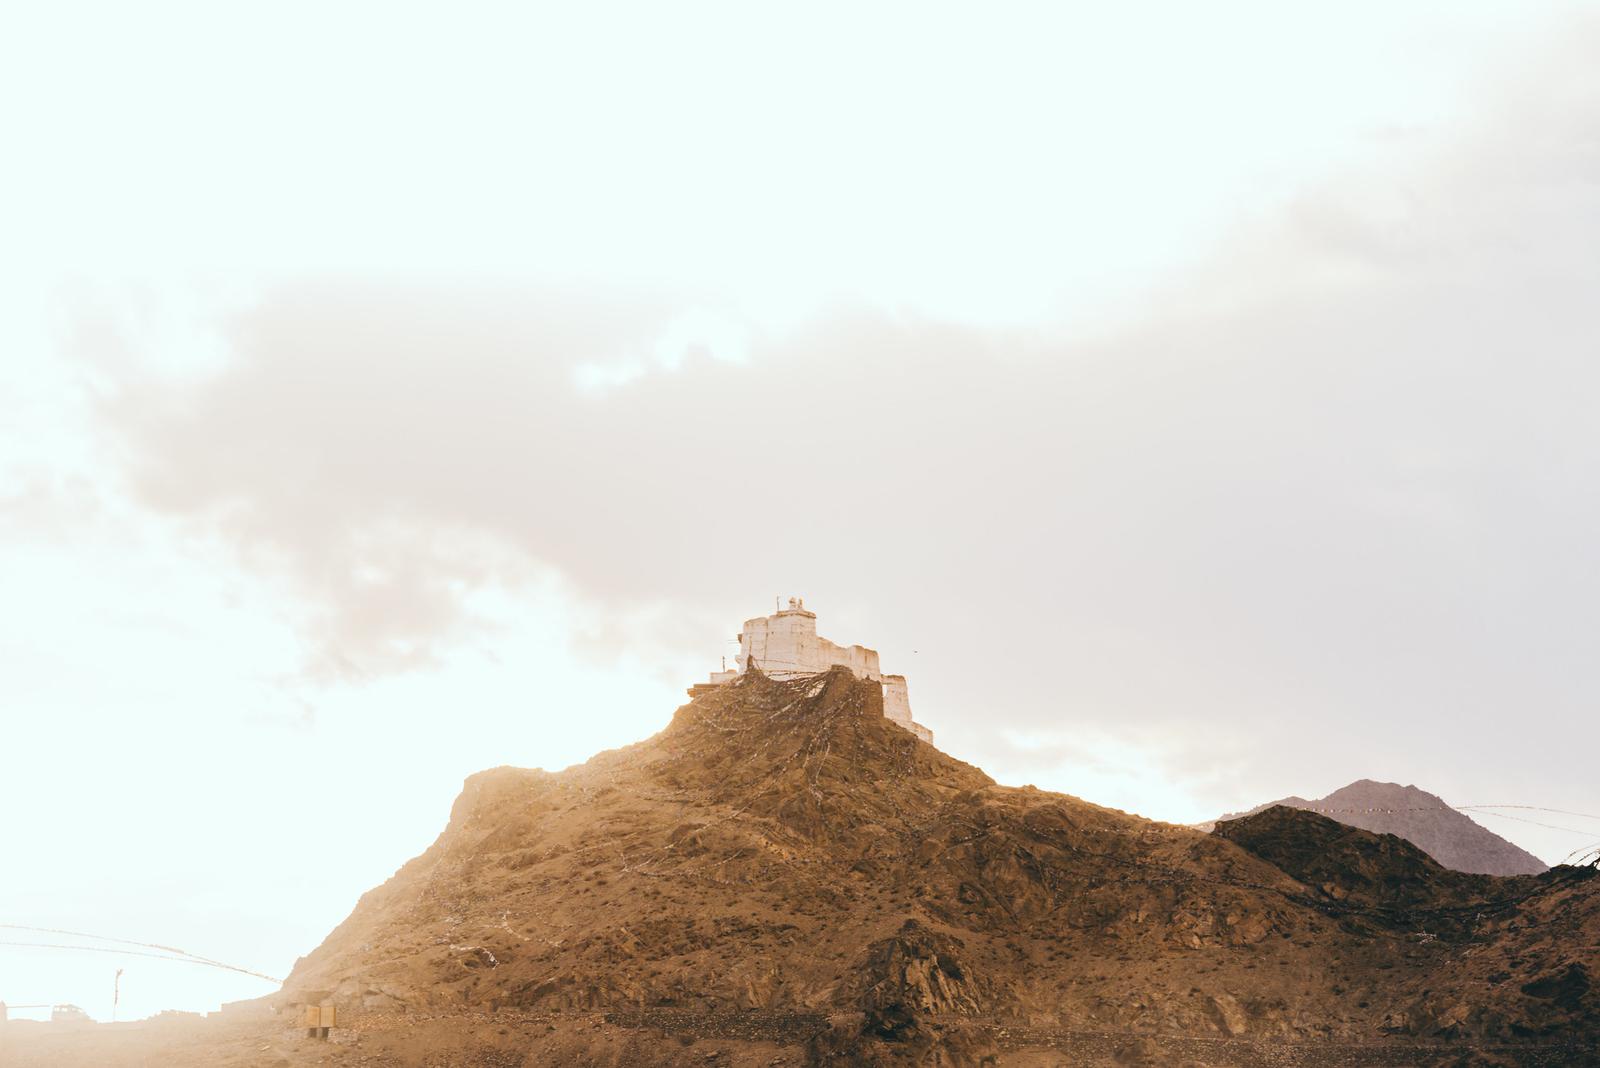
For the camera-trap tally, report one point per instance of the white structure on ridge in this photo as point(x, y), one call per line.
point(786, 645)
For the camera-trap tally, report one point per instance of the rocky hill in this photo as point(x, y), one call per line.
point(786, 871)
point(1452, 838)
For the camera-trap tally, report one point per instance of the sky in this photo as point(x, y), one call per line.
point(1194, 404)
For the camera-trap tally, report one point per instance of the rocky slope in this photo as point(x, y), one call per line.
point(1450, 837)
point(783, 864)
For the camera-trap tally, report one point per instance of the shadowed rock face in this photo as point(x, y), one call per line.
point(916, 972)
point(782, 852)
point(1450, 837)
point(1355, 866)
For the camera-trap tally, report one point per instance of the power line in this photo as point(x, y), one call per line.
point(1551, 826)
point(1482, 810)
point(165, 952)
point(108, 938)
point(1389, 810)
point(1530, 808)
point(1586, 854)
point(139, 953)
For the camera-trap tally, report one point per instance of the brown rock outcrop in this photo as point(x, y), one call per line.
point(781, 860)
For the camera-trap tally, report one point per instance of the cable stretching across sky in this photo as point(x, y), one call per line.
point(144, 949)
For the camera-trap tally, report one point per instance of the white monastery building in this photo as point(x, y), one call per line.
point(786, 645)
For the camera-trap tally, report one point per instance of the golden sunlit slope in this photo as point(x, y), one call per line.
point(783, 854)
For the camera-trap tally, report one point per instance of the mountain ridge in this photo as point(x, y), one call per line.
point(783, 856)
point(1446, 834)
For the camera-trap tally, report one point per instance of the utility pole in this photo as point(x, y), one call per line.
point(116, 994)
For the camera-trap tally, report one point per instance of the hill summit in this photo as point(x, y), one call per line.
point(788, 873)
point(1449, 836)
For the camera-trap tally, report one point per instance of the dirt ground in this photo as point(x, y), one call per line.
point(519, 1040)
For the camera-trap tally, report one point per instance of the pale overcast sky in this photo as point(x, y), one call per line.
point(1194, 402)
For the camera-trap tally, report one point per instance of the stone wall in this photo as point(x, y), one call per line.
point(787, 644)
point(897, 706)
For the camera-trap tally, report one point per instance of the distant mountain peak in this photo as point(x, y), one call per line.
point(1449, 836)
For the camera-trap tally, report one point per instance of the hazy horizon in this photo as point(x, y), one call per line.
point(1194, 406)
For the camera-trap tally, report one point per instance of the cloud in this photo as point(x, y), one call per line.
point(48, 506)
point(1173, 768)
point(1046, 353)
point(1337, 480)
point(696, 333)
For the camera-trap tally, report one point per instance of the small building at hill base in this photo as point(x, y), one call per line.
point(786, 645)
